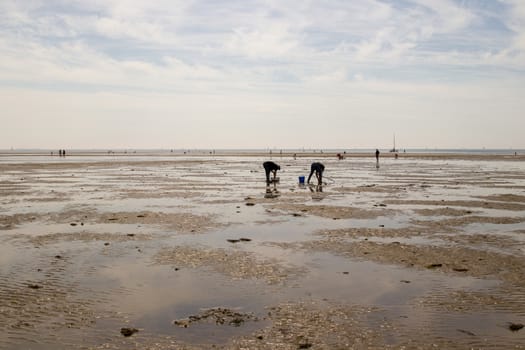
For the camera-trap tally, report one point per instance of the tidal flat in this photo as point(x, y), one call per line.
point(197, 252)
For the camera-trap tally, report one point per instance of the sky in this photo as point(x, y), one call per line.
point(262, 74)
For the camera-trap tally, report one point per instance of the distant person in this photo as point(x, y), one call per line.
point(64, 152)
point(377, 158)
point(318, 169)
point(270, 167)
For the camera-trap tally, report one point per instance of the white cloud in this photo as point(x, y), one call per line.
point(516, 23)
point(273, 42)
point(447, 16)
point(247, 61)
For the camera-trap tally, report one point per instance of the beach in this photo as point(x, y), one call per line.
point(194, 251)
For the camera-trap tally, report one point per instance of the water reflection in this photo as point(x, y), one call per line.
point(119, 278)
point(317, 192)
point(272, 191)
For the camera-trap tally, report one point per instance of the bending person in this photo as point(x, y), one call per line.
point(270, 167)
point(318, 168)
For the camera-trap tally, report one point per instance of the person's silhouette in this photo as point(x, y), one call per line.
point(318, 169)
point(270, 167)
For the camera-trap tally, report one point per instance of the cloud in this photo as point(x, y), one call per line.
point(516, 23)
point(409, 27)
point(371, 59)
point(446, 16)
point(273, 43)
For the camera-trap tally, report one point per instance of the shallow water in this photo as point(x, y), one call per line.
point(120, 284)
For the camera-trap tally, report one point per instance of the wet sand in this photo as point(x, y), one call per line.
point(194, 252)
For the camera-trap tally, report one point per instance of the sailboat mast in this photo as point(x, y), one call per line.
point(394, 148)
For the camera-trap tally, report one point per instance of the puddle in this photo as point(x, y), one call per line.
point(505, 229)
point(158, 295)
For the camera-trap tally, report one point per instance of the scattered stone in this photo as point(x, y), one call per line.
point(182, 323)
point(381, 225)
point(73, 224)
point(305, 345)
point(404, 281)
point(176, 269)
point(141, 216)
point(112, 219)
point(466, 332)
point(236, 322)
point(296, 214)
point(345, 272)
point(220, 316)
point(239, 240)
point(460, 269)
point(81, 224)
point(58, 256)
point(250, 204)
point(515, 326)
point(433, 266)
point(128, 332)
point(36, 286)
point(106, 244)
point(130, 234)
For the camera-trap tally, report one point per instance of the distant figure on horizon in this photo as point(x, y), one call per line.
point(318, 168)
point(270, 167)
point(377, 158)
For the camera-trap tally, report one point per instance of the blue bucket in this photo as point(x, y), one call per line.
point(301, 180)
